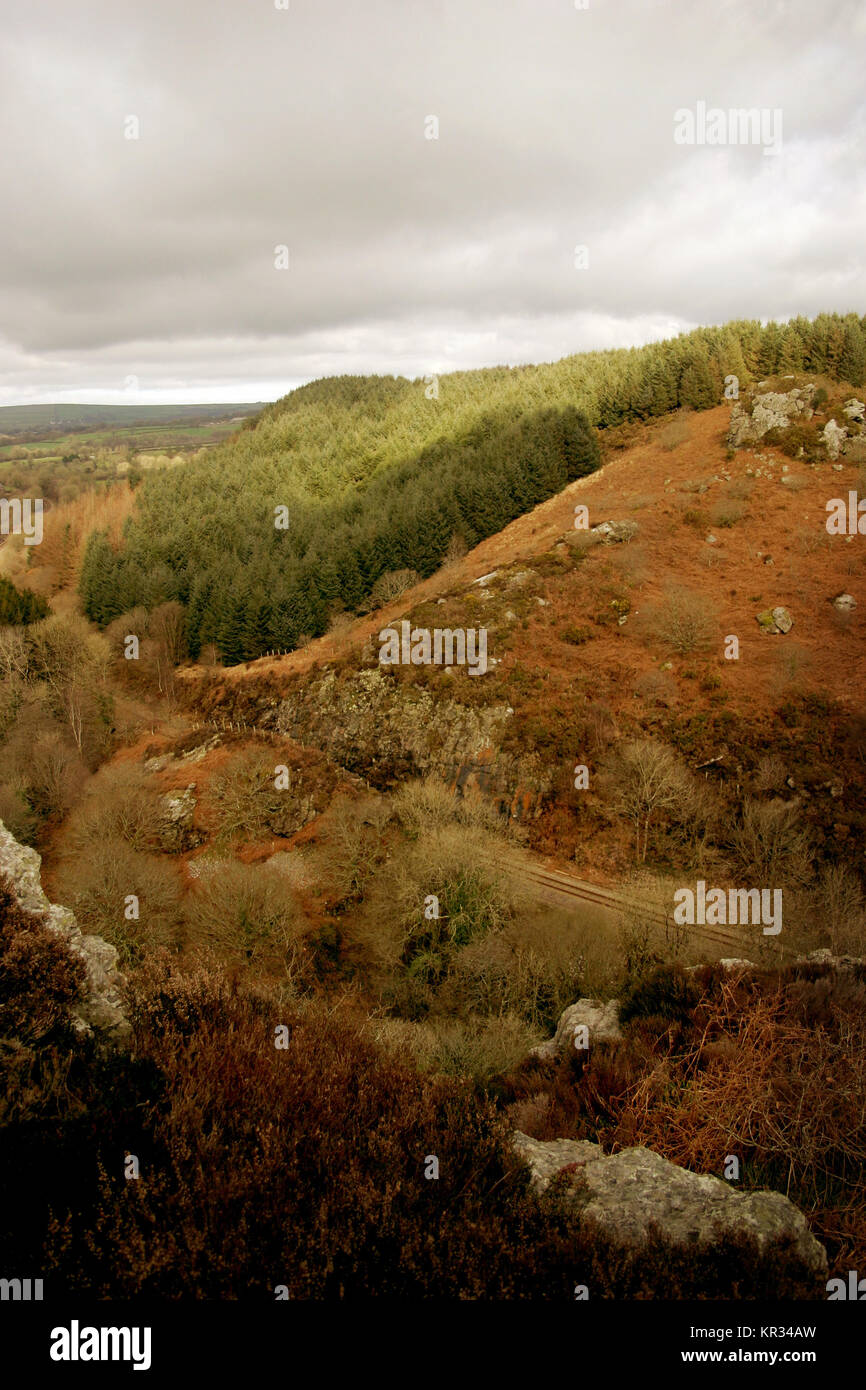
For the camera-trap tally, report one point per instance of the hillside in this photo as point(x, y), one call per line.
point(349, 481)
point(585, 637)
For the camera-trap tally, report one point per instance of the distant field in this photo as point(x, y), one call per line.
point(49, 434)
point(15, 419)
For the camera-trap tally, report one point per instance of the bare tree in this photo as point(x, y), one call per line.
point(648, 780)
point(72, 662)
point(392, 585)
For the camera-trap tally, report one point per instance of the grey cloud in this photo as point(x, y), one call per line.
point(261, 127)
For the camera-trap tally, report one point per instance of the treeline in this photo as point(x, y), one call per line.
point(19, 606)
point(382, 474)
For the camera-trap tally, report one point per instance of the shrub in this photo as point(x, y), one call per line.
point(671, 435)
point(684, 621)
point(120, 805)
point(576, 635)
point(726, 514)
point(39, 975)
point(393, 585)
point(800, 439)
point(648, 780)
point(667, 993)
point(769, 844)
point(97, 886)
point(245, 913)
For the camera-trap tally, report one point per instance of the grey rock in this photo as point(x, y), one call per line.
point(615, 532)
point(834, 437)
point(844, 603)
point(195, 755)
point(826, 957)
point(100, 1010)
point(548, 1157)
point(175, 830)
point(773, 410)
point(728, 963)
point(854, 409)
point(600, 1019)
point(627, 1192)
point(775, 620)
point(636, 1186)
point(158, 764)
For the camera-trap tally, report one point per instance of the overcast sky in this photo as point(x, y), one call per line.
point(144, 269)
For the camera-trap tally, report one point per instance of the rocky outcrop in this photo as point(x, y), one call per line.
point(826, 957)
point(175, 830)
point(627, 1192)
point(100, 1010)
point(772, 410)
point(601, 1022)
point(855, 410)
point(386, 730)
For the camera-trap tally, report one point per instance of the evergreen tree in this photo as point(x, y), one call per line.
point(697, 389)
point(852, 365)
point(19, 606)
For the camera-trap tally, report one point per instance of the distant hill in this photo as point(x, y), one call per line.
point(16, 419)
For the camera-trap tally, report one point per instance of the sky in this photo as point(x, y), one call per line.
point(216, 200)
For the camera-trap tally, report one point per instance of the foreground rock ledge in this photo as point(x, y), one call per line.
point(100, 1010)
point(630, 1190)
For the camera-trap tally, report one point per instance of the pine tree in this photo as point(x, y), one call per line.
point(697, 389)
point(852, 366)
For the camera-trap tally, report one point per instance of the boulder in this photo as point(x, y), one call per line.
point(615, 532)
point(834, 437)
point(628, 1191)
point(100, 1010)
point(157, 764)
point(855, 410)
point(844, 603)
point(600, 1019)
point(775, 620)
